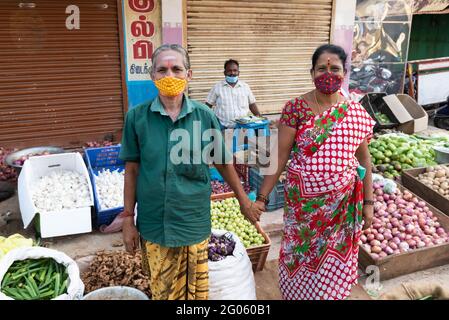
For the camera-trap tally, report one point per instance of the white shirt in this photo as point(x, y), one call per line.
point(230, 102)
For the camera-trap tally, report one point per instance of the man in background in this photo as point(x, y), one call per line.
point(232, 97)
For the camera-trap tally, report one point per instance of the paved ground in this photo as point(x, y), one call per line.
point(82, 247)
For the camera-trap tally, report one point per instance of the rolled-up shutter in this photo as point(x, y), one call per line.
point(59, 85)
point(272, 40)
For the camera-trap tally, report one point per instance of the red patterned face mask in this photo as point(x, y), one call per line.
point(328, 83)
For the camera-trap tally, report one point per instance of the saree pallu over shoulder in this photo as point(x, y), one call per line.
point(325, 146)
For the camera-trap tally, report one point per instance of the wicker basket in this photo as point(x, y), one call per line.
point(257, 254)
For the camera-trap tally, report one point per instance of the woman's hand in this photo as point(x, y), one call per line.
point(368, 215)
point(250, 210)
point(130, 235)
point(260, 205)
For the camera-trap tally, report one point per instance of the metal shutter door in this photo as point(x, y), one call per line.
point(272, 40)
point(59, 85)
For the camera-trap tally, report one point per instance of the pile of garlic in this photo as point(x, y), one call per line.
point(110, 185)
point(61, 190)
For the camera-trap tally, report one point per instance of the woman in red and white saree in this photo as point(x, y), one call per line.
point(324, 194)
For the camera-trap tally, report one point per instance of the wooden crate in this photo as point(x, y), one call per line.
point(436, 199)
point(257, 254)
point(221, 196)
point(420, 259)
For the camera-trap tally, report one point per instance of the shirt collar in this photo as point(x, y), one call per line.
point(187, 107)
point(238, 84)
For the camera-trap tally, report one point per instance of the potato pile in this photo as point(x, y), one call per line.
point(436, 178)
point(116, 268)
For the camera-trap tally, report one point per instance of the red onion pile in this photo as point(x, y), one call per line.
point(98, 144)
point(401, 223)
point(222, 187)
point(22, 159)
point(7, 173)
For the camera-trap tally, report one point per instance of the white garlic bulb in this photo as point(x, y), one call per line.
point(61, 190)
point(110, 186)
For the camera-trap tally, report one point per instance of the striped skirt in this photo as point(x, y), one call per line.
point(179, 273)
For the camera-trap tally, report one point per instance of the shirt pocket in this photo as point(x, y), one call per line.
point(241, 99)
point(192, 172)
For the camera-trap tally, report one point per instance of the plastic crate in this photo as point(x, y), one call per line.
point(276, 196)
point(250, 130)
point(103, 157)
point(261, 124)
point(98, 159)
point(215, 175)
point(242, 171)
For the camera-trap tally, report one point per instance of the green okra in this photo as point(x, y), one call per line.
point(57, 283)
point(63, 287)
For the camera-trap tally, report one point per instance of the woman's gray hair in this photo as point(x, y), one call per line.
point(174, 47)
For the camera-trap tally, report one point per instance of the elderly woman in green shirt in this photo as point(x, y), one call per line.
point(167, 145)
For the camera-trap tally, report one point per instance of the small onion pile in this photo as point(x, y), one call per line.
point(98, 144)
point(401, 223)
point(436, 178)
point(222, 187)
point(220, 247)
point(22, 159)
point(7, 173)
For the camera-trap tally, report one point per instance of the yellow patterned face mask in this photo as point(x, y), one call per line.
point(170, 86)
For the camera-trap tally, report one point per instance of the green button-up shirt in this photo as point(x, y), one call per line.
point(173, 185)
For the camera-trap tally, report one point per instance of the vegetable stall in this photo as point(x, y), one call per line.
point(409, 231)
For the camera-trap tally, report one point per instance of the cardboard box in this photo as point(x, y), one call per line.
point(53, 224)
point(373, 102)
point(411, 116)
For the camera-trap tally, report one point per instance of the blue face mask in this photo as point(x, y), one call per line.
point(232, 79)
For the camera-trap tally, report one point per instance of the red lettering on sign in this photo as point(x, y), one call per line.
point(142, 49)
point(141, 5)
point(142, 28)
